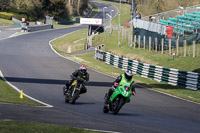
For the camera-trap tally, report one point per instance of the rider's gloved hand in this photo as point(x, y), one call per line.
point(116, 84)
point(85, 82)
point(79, 79)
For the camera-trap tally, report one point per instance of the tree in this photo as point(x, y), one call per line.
point(78, 7)
point(40, 8)
point(4, 4)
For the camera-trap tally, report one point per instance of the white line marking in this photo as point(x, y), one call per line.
point(170, 95)
point(18, 90)
point(101, 131)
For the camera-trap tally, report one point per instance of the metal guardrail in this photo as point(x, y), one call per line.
point(36, 28)
point(188, 80)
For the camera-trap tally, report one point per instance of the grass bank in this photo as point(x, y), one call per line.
point(70, 43)
point(9, 126)
point(9, 95)
point(143, 55)
point(6, 22)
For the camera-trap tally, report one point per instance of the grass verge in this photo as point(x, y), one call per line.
point(143, 55)
point(6, 22)
point(9, 95)
point(71, 42)
point(9, 126)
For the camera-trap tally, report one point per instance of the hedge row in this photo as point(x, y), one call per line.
point(19, 16)
point(6, 15)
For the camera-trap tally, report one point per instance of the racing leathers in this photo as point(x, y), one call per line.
point(78, 75)
point(121, 80)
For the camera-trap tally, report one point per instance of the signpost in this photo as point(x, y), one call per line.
point(94, 23)
point(91, 21)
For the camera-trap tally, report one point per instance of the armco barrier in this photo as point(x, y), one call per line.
point(36, 27)
point(188, 80)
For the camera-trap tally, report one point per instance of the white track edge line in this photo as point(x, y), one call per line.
point(170, 95)
point(104, 131)
point(18, 90)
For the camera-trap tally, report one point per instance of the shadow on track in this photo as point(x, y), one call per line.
point(54, 81)
point(124, 114)
point(127, 114)
point(83, 103)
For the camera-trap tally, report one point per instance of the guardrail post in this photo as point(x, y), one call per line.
point(162, 43)
point(139, 41)
point(185, 47)
point(144, 39)
point(149, 43)
point(170, 46)
point(177, 46)
point(134, 41)
point(131, 40)
point(156, 44)
point(194, 49)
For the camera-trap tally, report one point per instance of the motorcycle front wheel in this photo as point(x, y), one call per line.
point(74, 97)
point(116, 105)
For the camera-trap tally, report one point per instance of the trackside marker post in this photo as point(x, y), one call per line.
point(21, 94)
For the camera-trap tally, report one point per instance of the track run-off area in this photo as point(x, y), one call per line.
point(29, 63)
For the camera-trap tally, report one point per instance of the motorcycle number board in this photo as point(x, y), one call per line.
point(91, 21)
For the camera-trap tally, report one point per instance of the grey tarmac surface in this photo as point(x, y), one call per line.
point(28, 62)
point(7, 31)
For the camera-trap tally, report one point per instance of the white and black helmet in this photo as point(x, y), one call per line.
point(128, 75)
point(83, 69)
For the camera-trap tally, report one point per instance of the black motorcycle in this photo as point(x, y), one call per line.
point(73, 92)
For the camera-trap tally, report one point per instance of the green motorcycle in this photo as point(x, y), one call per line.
point(120, 96)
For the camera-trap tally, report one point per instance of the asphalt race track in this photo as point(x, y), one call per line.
point(28, 62)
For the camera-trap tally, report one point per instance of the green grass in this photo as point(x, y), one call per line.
point(9, 95)
point(153, 58)
point(72, 43)
point(6, 22)
point(9, 126)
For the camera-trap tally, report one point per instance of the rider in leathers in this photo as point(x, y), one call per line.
point(79, 74)
point(125, 78)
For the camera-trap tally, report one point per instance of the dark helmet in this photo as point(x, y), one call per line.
point(83, 69)
point(128, 75)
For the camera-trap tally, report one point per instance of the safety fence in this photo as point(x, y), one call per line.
point(185, 79)
point(184, 47)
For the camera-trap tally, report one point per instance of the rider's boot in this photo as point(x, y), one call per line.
point(107, 97)
point(110, 92)
point(66, 90)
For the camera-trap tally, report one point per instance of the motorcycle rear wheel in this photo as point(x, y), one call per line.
point(66, 98)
